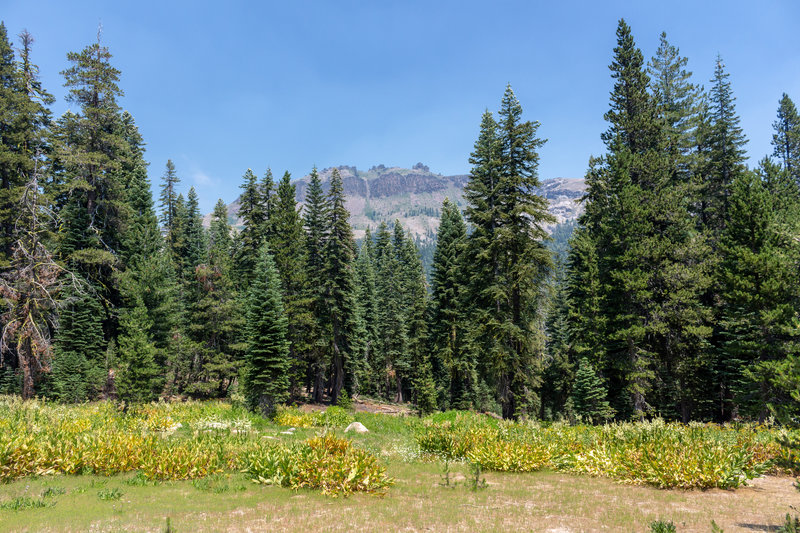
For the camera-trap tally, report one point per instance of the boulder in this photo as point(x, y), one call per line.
point(358, 427)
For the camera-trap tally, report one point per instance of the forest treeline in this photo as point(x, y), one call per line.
point(677, 295)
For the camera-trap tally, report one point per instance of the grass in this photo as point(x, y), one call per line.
point(540, 501)
point(227, 499)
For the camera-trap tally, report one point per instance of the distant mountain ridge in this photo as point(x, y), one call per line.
point(414, 196)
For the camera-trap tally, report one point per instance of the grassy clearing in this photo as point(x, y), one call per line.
point(540, 501)
point(65, 481)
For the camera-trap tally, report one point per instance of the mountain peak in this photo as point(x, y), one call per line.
point(414, 196)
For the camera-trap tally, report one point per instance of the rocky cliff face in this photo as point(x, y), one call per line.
point(414, 196)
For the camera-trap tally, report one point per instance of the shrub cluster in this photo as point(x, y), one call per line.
point(653, 453)
point(326, 463)
point(156, 440)
point(332, 417)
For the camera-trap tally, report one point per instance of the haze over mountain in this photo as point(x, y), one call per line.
point(414, 197)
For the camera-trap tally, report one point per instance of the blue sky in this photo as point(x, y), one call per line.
point(222, 87)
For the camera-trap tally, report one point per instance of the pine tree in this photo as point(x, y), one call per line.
point(194, 250)
point(138, 379)
point(724, 142)
point(148, 279)
point(453, 365)
point(287, 243)
point(269, 200)
point(315, 220)
point(506, 247)
point(589, 395)
point(266, 369)
point(786, 139)
point(216, 321)
point(678, 100)
point(168, 201)
point(340, 292)
point(366, 295)
point(758, 282)
point(637, 267)
point(251, 237)
point(392, 332)
point(558, 372)
point(422, 386)
point(91, 152)
point(24, 116)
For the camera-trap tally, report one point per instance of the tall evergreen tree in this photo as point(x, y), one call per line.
point(251, 237)
point(340, 292)
point(168, 201)
point(216, 322)
point(366, 291)
point(678, 100)
point(724, 142)
point(287, 243)
point(421, 386)
point(637, 267)
point(24, 116)
point(148, 280)
point(315, 220)
point(786, 140)
point(758, 284)
point(266, 371)
point(91, 150)
point(506, 247)
point(392, 332)
point(454, 366)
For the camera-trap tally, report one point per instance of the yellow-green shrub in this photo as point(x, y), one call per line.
point(653, 453)
point(327, 463)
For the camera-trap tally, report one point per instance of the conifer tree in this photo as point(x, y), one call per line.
point(91, 150)
point(216, 321)
point(724, 142)
point(24, 116)
point(637, 269)
point(269, 199)
point(315, 217)
point(138, 379)
point(678, 100)
point(168, 202)
point(452, 364)
point(148, 280)
point(266, 371)
point(589, 395)
point(366, 291)
point(196, 245)
point(506, 247)
point(786, 140)
point(287, 244)
point(392, 333)
point(251, 237)
point(340, 292)
point(758, 282)
point(559, 371)
point(422, 386)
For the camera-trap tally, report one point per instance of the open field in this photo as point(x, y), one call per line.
point(418, 500)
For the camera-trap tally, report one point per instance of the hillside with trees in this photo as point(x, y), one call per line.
point(674, 294)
